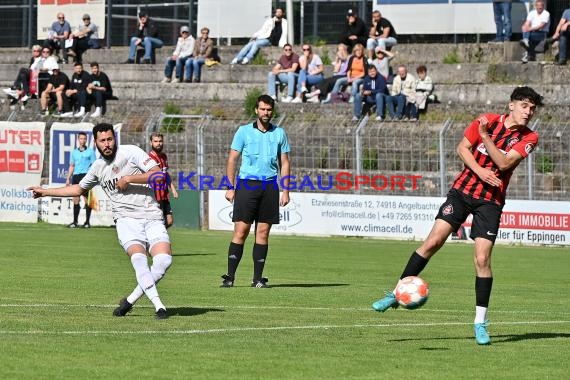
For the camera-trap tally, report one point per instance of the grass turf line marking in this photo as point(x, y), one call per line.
point(274, 328)
point(367, 309)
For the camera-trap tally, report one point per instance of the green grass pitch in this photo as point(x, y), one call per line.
point(59, 287)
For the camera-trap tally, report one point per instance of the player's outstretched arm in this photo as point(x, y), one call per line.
point(66, 191)
point(486, 175)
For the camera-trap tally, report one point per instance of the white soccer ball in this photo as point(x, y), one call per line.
point(412, 292)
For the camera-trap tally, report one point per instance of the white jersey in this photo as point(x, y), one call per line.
point(137, 201)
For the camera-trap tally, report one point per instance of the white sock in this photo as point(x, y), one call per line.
point(145, 279)
point(160, 264)
point(82, 109)
point(480, 314)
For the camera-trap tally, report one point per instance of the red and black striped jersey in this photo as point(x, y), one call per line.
point(162, 160)
point(522, 140)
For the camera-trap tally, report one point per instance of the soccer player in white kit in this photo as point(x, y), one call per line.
point(124, 172)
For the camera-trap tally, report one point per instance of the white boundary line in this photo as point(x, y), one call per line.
point(261, 307)
point(274, 328)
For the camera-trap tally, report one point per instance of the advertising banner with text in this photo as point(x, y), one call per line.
point(395, 217)
point(21, 162)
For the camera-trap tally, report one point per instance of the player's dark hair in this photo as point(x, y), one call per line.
point(265, 99)
point(102, 127)
point(527, 93)
point(156, 134)
point(82, 134)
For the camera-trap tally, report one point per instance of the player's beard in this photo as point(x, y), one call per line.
point(157, 149)
point(109, 157)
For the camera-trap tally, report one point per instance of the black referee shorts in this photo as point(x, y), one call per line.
point(486, 215)
point(76, 178)
point(256, 201)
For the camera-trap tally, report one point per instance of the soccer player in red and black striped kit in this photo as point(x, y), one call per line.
point(161, 194)
point(492, 147)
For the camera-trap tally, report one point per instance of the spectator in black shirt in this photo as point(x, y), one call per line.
point(382, 34)
point(146, 36)
point(76, 94)
point(58, 83)
point(99, 89)
point(354, 31)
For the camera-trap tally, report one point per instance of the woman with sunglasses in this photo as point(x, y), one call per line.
point(311, 72)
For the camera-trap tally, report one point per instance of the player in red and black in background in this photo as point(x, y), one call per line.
point(492, 147)
point(161, 194)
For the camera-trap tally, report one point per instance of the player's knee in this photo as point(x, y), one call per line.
point(160, 263)
point(483, 261)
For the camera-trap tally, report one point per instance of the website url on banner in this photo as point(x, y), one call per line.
point(342, 181)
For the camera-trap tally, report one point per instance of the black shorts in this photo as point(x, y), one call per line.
point(76, 178)
point(165, 207)
point(256, 201)
point(486, 215)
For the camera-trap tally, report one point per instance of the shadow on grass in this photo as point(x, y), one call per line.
point(495, 338)
point(191, 311)
point(192, 254)
point(306, 285)
point(527, 336)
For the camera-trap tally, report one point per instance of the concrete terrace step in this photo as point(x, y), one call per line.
point(455, 96)
point(406, 53)
point(466, 73)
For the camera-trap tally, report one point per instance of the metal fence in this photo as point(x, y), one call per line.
point(389, 150)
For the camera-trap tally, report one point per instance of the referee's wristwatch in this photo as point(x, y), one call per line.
point(230, 187)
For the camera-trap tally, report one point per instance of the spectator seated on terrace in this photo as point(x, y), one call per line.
point(99, 90)
point(182, 52)
point(332, 84)
point(403, 95)
point(535, 30)
point(57, 35)
point(25, 85)
point(146, 38)
point(284, 72)
point(424, 89)
point(86, 37)
point(273, 32)
point(374, 93)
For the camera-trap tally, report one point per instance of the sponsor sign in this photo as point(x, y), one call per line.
point(21, 163)
point(395, 217)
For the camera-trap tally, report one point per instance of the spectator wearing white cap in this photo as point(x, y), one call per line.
point(85, 37)
point(58, 83)
point(182, 52)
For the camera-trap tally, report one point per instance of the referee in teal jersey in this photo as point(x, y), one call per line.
point(81, 160)
point(264, 150)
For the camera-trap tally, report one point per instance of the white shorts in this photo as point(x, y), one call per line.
point(145, 232)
